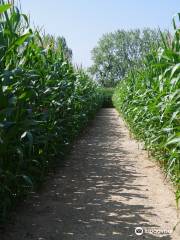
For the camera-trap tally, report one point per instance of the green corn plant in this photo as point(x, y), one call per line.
point(149, 100)
point(44, 103)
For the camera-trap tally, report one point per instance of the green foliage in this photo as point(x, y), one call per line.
point(149, 100)
point(119, 52)
point(44, 103)
point(107, 94)
point(58, 43)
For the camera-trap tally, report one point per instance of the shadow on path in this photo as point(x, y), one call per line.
point(89, 198)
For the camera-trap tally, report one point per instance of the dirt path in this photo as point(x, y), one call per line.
point(106, 189)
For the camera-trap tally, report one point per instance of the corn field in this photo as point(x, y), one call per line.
point(149, 100)
point(44, 103)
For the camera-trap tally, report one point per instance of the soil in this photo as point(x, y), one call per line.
point(107, 188)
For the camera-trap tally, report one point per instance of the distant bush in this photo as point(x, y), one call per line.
point(107, 94)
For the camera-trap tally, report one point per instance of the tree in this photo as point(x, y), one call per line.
point(119, 52)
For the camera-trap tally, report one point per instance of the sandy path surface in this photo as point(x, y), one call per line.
point(106, 189)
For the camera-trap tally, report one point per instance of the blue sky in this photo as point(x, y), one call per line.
point(83, 22)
